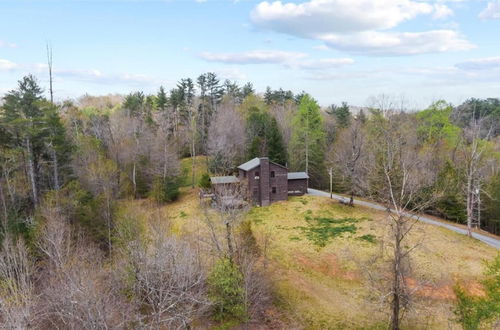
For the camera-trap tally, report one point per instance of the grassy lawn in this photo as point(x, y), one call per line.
point(200, 167)
point(329, 261)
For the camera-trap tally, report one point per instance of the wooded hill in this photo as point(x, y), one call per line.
point(66, 167)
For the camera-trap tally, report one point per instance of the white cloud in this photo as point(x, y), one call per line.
point(317, 17)
point(442, 11)
point(361, 26)
point(291, 60)
point(231, 74)
point(253, 57)
point(90, 76)
point(96, 76)
point(486, 63)
point(6, 65)
point(322, 64)
point(492, 10)
point(7, 44)
point(399, 43)
point(321, 47)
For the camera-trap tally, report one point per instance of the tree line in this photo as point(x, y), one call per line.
point(65, 168)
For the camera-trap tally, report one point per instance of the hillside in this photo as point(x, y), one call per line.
point(325, 281)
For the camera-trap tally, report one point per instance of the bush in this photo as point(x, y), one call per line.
point(474, 312)
point(165, 190)
point(205, 181)
point(226, 291)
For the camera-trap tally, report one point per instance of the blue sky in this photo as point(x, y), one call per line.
point(337, 50)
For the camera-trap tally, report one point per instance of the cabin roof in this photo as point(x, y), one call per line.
point(253, 163)
point(297, 175)
point(223, 179)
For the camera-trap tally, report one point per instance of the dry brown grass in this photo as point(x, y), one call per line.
point(328, 288)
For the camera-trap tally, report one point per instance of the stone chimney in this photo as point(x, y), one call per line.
point(265, 198)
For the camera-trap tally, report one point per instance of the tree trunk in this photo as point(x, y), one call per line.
point(49, 63)
point(55, 170)
point(4, 207)
point(469, 206)
point(397, 275)
point(134, 183)
point(31, 171)
point(108, 218)
point(193, 156)
point(165, 161)
point(229, 241)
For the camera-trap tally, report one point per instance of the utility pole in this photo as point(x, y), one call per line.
point(330, 172)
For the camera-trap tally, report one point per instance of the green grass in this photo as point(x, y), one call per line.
point(321, 230)
point(369, 238)
point(200, 167)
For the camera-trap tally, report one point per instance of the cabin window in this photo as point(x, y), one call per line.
point(272, 174)
point(244, 174)
point(274, 190)
point(256, 174)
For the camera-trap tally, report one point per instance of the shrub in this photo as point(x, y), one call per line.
point(165, 190)
point(226, 291)
point(205, 181)
point(474, 312)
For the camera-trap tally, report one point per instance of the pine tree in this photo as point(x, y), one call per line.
point(343, 115)
point(276, 146)
point(161, 99)
point(22, 118)
point(265, 137)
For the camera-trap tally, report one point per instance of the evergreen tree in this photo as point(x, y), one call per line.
point(22, 119)
point(308, 140)
point(134, 104)
point(265, 137)
point(268, 95)
point(343, 115)
point(161, 99)
point(276, 146)
point(247, 90)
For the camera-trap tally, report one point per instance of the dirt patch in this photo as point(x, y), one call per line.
point(445, 291)
point(328, 265)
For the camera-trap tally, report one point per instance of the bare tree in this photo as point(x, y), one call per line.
point(77, 290)
point(472, 158)
point(169, 280)
point(226, 212)
point(17, 292)
point(225, 141)
point(349, 155)
point(49, 65)
point(405, 174)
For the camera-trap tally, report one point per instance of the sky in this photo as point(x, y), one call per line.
point(336, 50)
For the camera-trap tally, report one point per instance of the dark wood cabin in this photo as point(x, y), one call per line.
point(265, 182)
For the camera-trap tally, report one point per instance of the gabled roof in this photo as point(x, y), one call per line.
point(250, 164)
point(297, 175)
point(253, 163)
point(223, 179)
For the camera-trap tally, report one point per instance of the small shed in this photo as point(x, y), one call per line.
point(297, 183)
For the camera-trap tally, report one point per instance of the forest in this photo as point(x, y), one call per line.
point(72, 258)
